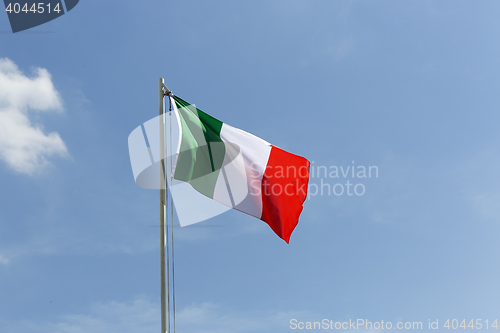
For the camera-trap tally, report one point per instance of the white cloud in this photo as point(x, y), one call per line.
point(23, 145)
point(137, 316)
point(142, 315)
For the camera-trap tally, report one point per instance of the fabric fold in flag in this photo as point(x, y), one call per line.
point(239, 169)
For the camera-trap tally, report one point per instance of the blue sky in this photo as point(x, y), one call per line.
point(408, 86)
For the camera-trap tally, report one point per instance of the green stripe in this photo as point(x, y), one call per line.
point(214, 124)
point(201, 151)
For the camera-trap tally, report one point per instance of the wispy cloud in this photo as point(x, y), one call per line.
point(142, 315)
point(24, 146)
point(480, 182)
point(3, 260)
point(137, 316)
point(210, 318)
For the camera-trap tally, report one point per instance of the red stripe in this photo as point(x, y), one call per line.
point(284, 189)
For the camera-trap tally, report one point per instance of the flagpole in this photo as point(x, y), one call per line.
point(164, 253)
point(163, 237)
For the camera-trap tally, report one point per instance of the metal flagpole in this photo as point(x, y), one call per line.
point(163, 91)
point(163, 238)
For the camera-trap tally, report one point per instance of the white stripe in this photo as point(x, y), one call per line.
point(176, 112)
point(244, 169)
point(231, 187)
point(255, 153)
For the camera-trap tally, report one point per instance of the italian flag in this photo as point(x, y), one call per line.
point(239, 169)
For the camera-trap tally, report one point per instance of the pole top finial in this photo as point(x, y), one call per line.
point(164, 89)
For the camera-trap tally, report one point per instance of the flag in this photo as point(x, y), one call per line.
point(239, 169)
